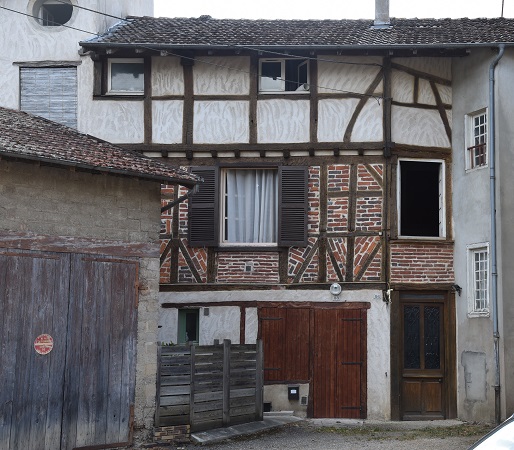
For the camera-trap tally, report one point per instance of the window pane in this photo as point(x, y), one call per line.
point(271, 73)
point(480, 280)
point(432, 337)
point(411, 338)
point(127, 77)
point(251, 206)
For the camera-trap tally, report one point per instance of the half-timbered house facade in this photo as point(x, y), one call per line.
point(323, 225)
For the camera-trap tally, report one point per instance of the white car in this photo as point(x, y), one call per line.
point(501, 438)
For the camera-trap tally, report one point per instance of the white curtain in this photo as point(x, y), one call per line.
point(251, 206)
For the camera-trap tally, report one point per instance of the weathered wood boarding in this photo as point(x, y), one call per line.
point(209, 386)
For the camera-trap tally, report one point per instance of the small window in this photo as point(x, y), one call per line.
point(188, 325)
point(476, 142)
point(421, 199)
point(283, 75)
point(478, 274)
point(53, 13)
point(126, 76)
point(250, 206)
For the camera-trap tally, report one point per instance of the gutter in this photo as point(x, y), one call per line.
point(494, 262)
point(188, 194)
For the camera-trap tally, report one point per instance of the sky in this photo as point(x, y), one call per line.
point(330, 9)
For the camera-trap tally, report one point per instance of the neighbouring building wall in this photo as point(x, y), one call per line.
point(47, 202)
point(471, 215)
point(505, 217)
point(28, 42)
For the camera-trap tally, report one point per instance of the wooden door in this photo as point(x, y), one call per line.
point(101, 352)
point(79, 394)
point(339, 363)
point(33, 301)
point(422, 357)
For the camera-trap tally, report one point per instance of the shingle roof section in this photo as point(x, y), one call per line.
point(206, 31)
point(25, 136)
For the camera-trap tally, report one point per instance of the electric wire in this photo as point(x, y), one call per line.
point(357, 94)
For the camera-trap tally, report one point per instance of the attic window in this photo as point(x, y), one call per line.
point(53, 13)
point(126, 76)
point(283, 75)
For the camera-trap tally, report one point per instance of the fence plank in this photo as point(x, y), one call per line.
point(209, 386)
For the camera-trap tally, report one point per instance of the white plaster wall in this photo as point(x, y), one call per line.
point(229, 75)
point(425, 93)
point(168, 325)
point(402, 86)
point(283, 121)
point(440, 67)
point(167, 119)
point(417, 126)
point(333, 118)
point(114, 121)
point(221, 122)
point(347, 74)
point(369, 125)
point(224, 323)
point(251, 325)
point(167, 76)
point(276, 394)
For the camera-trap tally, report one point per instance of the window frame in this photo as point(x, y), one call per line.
point(110, 61)
point(283, 76)
point(470, 137)
point(442, 199)
point(36, 11)
point(472, 250)
point(223, 212)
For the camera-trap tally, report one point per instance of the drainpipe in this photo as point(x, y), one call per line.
point(494, 265)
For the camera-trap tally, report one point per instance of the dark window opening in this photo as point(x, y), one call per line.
point(188, 325)
point(284, 75)
point(53, 13)
point(420, 198)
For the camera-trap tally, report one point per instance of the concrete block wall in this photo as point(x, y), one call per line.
point(60, 202)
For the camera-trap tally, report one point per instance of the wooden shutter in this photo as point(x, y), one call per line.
point(50, 92)
point(203, 214)
point(292, 211)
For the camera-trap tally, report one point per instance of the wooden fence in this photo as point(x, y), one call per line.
point(209, 386)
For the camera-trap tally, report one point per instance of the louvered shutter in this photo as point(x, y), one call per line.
point(50, 92)
point(292, 212)
point(204, 209)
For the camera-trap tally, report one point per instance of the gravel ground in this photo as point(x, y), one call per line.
point(309, 436)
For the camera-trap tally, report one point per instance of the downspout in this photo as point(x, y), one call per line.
point(494, 264)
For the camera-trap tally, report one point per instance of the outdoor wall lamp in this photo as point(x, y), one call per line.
point(456, 288)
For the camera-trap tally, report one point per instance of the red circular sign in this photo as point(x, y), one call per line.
point(44, 344)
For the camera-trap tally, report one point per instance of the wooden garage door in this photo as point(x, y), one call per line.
point(80, 394)
point(339, 363)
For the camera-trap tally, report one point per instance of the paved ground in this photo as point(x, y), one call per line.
point(355, 435)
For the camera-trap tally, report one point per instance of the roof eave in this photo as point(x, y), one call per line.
point(90, 168)
point(159, 47)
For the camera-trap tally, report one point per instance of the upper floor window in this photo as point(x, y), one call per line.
point(476, 142)
point(53, 13)
point(249, 207)
point(478, 276)
point(283, 75)
point(126, 76)
point(421, 199)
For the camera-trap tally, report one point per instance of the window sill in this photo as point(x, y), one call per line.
point(124, 97)
point(474, 169)
point(248, 248)
point(477, 314)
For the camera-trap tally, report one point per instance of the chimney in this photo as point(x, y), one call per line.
point(382, 19)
